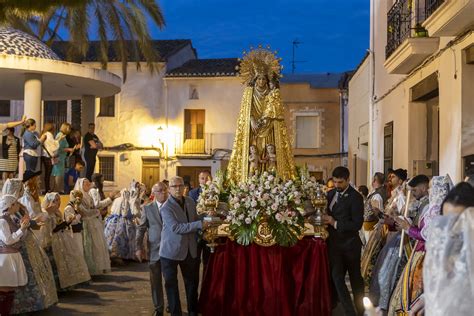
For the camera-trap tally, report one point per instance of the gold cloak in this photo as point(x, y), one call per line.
point(238, 169)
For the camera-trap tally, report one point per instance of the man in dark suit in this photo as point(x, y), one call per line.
point(151, 221)
point(345, 218)
point(203, 250)
point(204, 176)
point(179, 247)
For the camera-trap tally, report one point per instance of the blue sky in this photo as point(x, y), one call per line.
point(335, 33)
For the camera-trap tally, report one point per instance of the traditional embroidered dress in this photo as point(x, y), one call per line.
point(12, 269)
point(96, 251)
point(40, 291)
point(410, 286)
point(375, 199)
point(120, 229)
point(76, 225)
point(378, 237)
point(389, 265)
point(65, 255)
point(136, 204)
point(448, 272)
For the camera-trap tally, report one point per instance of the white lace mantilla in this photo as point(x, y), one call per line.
point(448, 271)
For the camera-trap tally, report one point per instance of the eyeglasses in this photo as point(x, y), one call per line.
point(159, 191)
point(176, 186)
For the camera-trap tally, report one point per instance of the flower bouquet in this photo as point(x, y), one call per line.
point(266, 205)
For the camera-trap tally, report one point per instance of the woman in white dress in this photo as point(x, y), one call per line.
point(12, 269)
point(448, 270)
point(137, 200)
point(95, 246)
point(65, 256)
point(73, 213)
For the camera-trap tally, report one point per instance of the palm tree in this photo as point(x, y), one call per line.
point(122, 21)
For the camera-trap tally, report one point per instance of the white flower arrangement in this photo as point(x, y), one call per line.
point(266, 197)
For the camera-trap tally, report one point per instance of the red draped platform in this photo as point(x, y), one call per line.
point(276, 281)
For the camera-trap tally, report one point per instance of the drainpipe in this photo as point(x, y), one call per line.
point(165, 147)
point(370, 169)
point(343, 101)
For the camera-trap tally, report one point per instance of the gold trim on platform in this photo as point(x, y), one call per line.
point(264, 235)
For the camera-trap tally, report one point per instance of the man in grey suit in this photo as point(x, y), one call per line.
point(151, 221)
point(179, 247)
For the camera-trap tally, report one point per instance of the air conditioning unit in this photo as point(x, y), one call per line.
point(426, 167)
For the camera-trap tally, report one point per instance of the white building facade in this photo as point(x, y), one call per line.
point(179, 121)
point(358, 125)
point(421, 96)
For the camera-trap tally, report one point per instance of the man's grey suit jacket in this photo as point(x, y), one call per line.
point(178, 236)
point(151, 220)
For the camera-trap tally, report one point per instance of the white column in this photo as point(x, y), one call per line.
point(87, 112)
point(32, 99)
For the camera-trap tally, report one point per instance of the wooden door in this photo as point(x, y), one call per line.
point(191, 174)
point(150, 172)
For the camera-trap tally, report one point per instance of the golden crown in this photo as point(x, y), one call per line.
point(259, 61)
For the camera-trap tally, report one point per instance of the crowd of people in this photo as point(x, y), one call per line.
point(61, 157)
point(406, 243)
point(44, 250)
point(407, 247)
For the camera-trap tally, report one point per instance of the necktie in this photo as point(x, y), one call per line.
point(337, 200)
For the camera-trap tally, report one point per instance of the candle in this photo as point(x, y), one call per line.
point(369, 307)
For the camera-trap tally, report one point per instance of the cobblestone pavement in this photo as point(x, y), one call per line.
point(124, 291)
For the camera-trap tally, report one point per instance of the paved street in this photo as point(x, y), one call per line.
point(125, 291)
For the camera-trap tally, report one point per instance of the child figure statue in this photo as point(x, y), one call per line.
point(270, 157)
point(254, 160)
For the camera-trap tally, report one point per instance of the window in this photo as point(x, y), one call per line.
point(194, 124)
point(4, 107)
point(193, 93)
point(55, 112)
point(388, 147)
point(106, 167)
point(308, 131)
point(107, 106)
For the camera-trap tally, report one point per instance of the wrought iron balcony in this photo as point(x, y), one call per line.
point(203, 144)
point(448, 17)
point(408, 43)
point(431, 6)
point(399, 25)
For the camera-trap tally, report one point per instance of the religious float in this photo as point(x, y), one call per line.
point(268, 243)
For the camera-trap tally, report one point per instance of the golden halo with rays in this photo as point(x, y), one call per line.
point(259, 61)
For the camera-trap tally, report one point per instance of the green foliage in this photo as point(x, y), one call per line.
point(122, 22)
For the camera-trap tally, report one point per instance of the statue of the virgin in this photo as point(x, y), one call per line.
point(261, 121)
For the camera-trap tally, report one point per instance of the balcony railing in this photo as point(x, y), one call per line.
point(206, 144)
point(399, 25)
point(431, 6)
